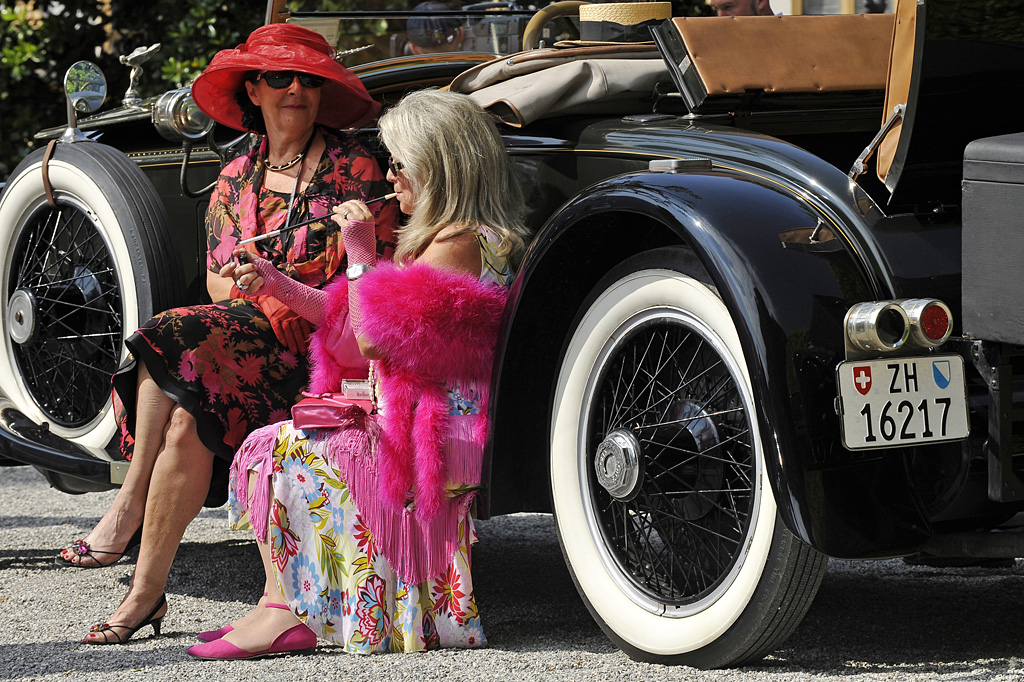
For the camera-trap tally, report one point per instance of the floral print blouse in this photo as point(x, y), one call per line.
point(241, 208)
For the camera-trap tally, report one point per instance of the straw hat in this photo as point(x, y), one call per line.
point(614, 23)
point(344, 102)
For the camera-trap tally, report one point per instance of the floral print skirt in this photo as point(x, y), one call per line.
point(222, 363)
point(334, 577)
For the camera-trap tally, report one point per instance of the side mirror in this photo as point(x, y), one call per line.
point(86, 88)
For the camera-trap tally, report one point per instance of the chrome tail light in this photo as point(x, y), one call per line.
point(876, 327)
point(880, 327)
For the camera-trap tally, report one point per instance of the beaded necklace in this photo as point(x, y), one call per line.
point(298, 157)
point(298, 176)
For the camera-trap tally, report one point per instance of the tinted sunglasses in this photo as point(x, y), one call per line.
point(279, 80)
point(395, 166)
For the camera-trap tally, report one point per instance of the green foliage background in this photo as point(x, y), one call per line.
point(38, 43)
point(37, 46)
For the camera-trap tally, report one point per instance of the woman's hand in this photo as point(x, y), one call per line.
point(244, 273)
point(352, 210)
point(357, 232)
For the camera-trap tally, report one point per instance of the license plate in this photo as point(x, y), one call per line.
point(902, 401)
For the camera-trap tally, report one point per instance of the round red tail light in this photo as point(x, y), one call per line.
point(935, 322)
point(930, 321)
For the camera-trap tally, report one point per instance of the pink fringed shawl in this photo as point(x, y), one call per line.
point(433, 326)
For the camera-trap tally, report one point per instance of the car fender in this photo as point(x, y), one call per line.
point(788, 295)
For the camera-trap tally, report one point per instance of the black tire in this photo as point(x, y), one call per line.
point(76, 280)
point(676, 546)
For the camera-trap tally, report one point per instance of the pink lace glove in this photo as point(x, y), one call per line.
point(338, 341)
point(304, 300)
point(361, 248)
point(360, 242)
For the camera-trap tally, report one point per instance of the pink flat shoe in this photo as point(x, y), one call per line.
point(211, 635)
point(297, 639)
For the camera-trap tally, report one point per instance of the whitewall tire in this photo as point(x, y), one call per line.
point(662, 504)
point(77, 278)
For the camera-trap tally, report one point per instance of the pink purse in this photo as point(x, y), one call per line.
point(331, 410)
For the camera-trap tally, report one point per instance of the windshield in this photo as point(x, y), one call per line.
point(384, 29)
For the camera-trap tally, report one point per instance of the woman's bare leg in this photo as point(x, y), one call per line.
point(270, 585)
point(260, 627)
point(179, 485)
point(112, 533)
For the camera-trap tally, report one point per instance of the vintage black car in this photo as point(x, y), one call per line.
point(771, 312)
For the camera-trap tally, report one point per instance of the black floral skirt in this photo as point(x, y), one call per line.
point(222, 363)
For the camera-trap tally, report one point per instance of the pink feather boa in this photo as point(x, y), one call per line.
point(432, 325)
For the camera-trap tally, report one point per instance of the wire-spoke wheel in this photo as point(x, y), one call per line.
point(78, 276)
point(65, 288)
point(662, 504)
point(672, 482)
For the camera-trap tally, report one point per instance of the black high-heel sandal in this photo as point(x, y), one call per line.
point(105, 628)
point(81, 549)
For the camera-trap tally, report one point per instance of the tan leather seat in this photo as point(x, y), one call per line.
point(784, 54)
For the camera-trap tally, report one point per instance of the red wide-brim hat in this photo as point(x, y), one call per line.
point(344, 101)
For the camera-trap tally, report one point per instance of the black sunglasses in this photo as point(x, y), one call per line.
point(395, 166)
point(279, 80)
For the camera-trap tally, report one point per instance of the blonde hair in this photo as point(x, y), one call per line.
point(455, 163)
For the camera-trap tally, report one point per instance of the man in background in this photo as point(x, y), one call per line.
point(741, 8)
point(433, 33)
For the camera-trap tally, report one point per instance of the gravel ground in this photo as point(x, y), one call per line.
point(879, 620)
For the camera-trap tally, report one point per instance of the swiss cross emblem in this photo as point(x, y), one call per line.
point(862, 379)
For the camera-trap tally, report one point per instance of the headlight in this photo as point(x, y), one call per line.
point(177, 117)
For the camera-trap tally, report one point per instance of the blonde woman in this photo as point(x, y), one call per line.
point(364, 528)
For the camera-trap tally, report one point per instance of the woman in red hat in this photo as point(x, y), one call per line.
point(202, 377)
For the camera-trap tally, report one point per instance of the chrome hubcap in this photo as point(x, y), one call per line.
point(21, 316)
point(619, 465)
